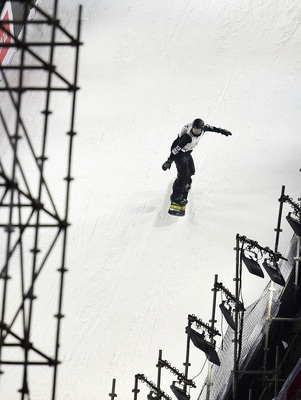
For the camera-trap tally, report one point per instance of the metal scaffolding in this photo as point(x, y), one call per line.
point(36, 85)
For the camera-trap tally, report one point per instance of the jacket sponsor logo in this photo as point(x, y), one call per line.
point(5, 37)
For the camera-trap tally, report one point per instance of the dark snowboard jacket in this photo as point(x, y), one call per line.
point(187, 140)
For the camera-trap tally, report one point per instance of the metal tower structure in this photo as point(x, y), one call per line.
point(38, 88)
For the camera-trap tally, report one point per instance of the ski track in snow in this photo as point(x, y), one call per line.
point(146, 69)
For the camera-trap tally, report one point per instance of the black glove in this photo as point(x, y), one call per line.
point(166, 165)
point(225, 132)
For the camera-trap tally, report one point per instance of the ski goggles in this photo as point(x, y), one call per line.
point(197, 131)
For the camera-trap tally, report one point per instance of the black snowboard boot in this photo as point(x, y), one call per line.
point(180, 200)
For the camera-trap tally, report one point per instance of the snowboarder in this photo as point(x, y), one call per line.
point(181, 154)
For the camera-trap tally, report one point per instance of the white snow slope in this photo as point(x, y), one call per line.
point(135, 273)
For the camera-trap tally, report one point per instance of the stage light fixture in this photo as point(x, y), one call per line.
point(227, 314)
point(153, 396)
point(274, 273)
point(179, 392)
point(252, 265)
point(208, 348)
point(295, 224)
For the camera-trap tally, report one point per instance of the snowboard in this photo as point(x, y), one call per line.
point(176, 209)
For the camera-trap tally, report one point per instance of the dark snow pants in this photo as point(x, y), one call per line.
point(185, 168)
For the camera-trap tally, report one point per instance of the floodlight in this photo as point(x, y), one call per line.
point(152, 396)
point(227, 314)
point(179, 392)
point(274, 273)
point(295, 224)
point(284, 344)
point(208, 348)
point(252, 265)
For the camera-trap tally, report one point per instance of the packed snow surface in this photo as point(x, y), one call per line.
point(135, 273)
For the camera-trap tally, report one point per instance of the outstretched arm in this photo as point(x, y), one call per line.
point(222, 131)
